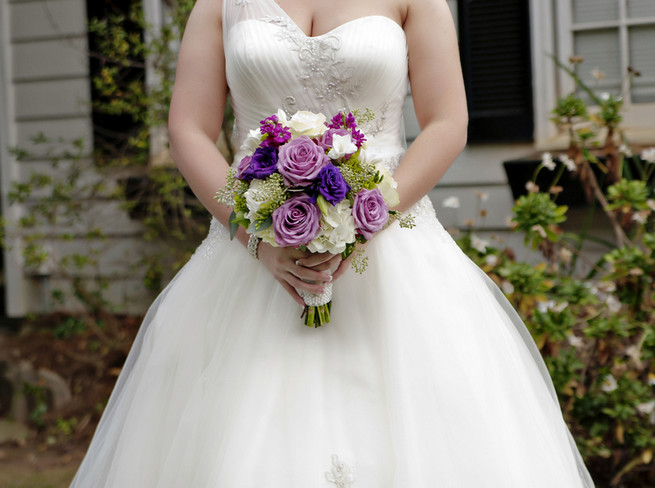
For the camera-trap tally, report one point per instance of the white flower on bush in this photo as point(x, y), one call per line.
point(388, 186)
point(565, 255)
point(641, 217)
point(304, 123)
point(491, 260)
point(539, 229)
point(646, 408)
point(575, 341)
point(451, 202)
point(613, 303)
point(568, 162)
point(479, 244)
point(609, 384)
point(543, 307)
point(252, 141)
point(337, 229)
point(507, 287)
point(341, 146)
point(648, 155)
point(531, 187)
point(625, 150)
point(547, 161)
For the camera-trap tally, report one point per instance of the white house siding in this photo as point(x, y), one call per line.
point(45, 89)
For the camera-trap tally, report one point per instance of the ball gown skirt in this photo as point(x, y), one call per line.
point(425, 377)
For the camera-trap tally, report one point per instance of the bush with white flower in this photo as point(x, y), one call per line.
point(595, 328)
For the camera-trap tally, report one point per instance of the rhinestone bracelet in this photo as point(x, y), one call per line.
point(253, 245)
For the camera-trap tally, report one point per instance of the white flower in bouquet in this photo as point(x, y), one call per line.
point(337, 230)
point(252, 141)
point(308, 124)
point(341, 146)
point(255, 197)
point(388, 186)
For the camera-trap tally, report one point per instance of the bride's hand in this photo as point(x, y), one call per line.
point(294, 268)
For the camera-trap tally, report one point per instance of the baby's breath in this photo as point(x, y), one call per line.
point(358, 175)
point(274, 192)
point(359, 261)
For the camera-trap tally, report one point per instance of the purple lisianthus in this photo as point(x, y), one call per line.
point(296, 221)
point(331, 184)
point(326, 139)
point(262, 164)
point(300, 161)
point(370, 212)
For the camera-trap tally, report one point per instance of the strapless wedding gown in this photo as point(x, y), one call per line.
point(425, 377)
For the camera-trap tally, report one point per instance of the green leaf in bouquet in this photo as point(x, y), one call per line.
point(322, 204)
point(234, 225)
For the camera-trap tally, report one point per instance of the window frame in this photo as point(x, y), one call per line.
point(638, 117)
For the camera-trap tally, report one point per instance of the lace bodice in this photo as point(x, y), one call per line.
point(271, 64)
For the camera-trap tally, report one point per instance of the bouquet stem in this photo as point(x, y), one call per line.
point(317, 307)
point(317, 316)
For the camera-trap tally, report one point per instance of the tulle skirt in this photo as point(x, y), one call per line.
point(425, 378)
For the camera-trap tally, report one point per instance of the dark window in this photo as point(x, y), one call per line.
point(495, 52)
point(115, 128)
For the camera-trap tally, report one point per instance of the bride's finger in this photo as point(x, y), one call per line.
point(310, 274)
point(292, 292)
point(311, 287)
point(315, 259)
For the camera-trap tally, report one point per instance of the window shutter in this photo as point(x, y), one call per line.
point(495, 52)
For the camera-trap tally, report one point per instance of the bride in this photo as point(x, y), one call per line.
point(425, 377)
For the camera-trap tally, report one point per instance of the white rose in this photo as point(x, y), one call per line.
point(252, 141)
point(308, 124)
point(341, 145)
point(388, 186)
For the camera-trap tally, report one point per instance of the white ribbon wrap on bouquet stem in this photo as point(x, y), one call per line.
point(315, 299)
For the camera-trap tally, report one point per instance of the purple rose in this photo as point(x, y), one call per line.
point(326, 139)
point(300, 161)
point(331, 184)
point(263, 163)
point(296, 221)
point(242, 169)
point(370, 212)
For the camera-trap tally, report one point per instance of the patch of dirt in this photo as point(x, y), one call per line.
point(89, 359)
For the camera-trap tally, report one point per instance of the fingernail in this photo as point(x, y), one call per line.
point(297, 262)
point(329, 278)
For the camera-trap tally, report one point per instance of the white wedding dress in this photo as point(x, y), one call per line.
point(425, 377)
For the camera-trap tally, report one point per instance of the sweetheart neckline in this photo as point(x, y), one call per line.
point(337, 28)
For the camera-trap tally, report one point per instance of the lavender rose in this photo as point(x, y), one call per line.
point(370, 212)
point(300, 161)
point(331, 184)
point(296, 221)
point(326, 139)
point(242, 169)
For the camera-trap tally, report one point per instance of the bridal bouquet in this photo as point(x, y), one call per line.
point(307, 182)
